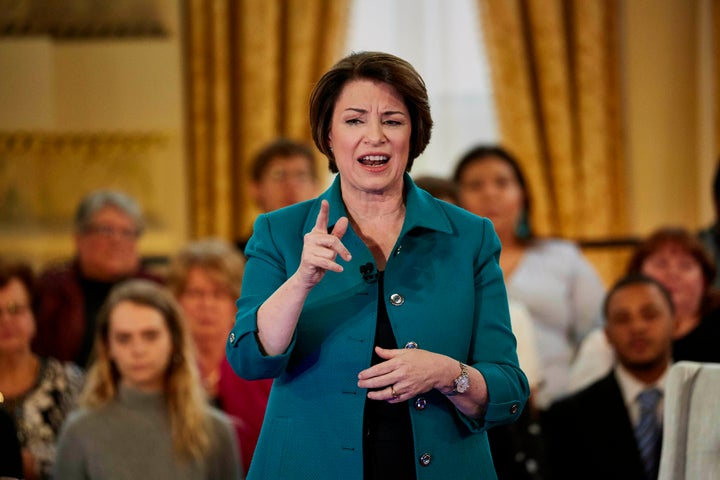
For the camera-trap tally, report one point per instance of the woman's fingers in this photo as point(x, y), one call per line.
point(408, 372)
point(338, 232)
point(321, 247)
point(321, 223)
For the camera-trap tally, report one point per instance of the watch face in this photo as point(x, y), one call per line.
point(462, 384)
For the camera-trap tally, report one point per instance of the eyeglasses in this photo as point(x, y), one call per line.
point(198, 294)
point(106, 231)
point(281, 176)
point(14, 310)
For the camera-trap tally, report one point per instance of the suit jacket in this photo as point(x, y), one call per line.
point(444, 291)
point(590, 435)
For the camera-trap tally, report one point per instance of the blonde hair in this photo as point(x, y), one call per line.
point(215, 256)
point(184, 397)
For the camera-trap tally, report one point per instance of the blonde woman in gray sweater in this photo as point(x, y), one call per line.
point(145, 415)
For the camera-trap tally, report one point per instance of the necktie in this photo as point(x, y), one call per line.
point(647, 431)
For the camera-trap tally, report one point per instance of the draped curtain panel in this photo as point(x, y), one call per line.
point(251, 66)
point(716, 71)
point(554, 67)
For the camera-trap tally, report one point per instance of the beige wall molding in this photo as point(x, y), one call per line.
point(43, 174)
point(77, 19)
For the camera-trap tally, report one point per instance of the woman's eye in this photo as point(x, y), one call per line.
point(353, 121)
point(150, 335)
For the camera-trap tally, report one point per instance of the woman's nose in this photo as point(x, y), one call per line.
point(375, 134)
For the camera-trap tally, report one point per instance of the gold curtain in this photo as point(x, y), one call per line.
point(716, 71)
point(251, 67)
point(555, 74)
point(554, 67)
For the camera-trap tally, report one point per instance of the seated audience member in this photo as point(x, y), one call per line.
point(38, 392)
point(710, 236)
point(145, 414)
point(442, 188)
point(206, 277)
point(283, 173)
point(677, 259)
point(550, 277)
point(107, 227)
point(612, 428)
point(10, 456)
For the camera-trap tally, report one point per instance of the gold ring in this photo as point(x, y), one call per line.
point(392, 391)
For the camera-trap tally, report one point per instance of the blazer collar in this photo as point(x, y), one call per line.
point(422, 210)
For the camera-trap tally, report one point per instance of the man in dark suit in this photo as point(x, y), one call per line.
point(609, 430)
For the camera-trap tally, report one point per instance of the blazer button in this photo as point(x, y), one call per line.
point(420, 403)
point(397, 299)
point(411, 345)
point(425, 459)
point(515, 407)
point(232, 337)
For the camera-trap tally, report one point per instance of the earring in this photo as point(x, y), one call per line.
point(522, 229)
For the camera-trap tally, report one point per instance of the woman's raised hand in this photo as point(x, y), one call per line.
point(320, 248)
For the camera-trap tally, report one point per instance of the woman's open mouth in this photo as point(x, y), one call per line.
point(374, 160)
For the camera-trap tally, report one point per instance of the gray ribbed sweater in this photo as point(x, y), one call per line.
point(130, 439)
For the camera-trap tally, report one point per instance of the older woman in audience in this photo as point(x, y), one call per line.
point(145, 412)
point(108, 225)
point(38, 392)
point(206, 277)
point(678, 260)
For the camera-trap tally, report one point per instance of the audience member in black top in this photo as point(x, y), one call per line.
point(108, 225)
point(677, 259)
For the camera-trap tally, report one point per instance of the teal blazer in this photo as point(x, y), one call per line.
point(452, 301)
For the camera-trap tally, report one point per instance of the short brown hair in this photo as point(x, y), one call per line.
point(22, 272)
point(281, 148)
point(689, 243)
point(379, 67)
point(438, 187)
point(214, 255)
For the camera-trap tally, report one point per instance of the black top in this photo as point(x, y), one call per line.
point(10, 458)
point(703, 343)
point(388, 449)
point(94, 295)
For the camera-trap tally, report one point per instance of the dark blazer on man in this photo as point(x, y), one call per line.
point(590, 435)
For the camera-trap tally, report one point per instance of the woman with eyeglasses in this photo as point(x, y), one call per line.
point(108, 226)
point(206, 277)
point(37, 391)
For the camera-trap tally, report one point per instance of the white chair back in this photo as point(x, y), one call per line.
point(691, 423)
